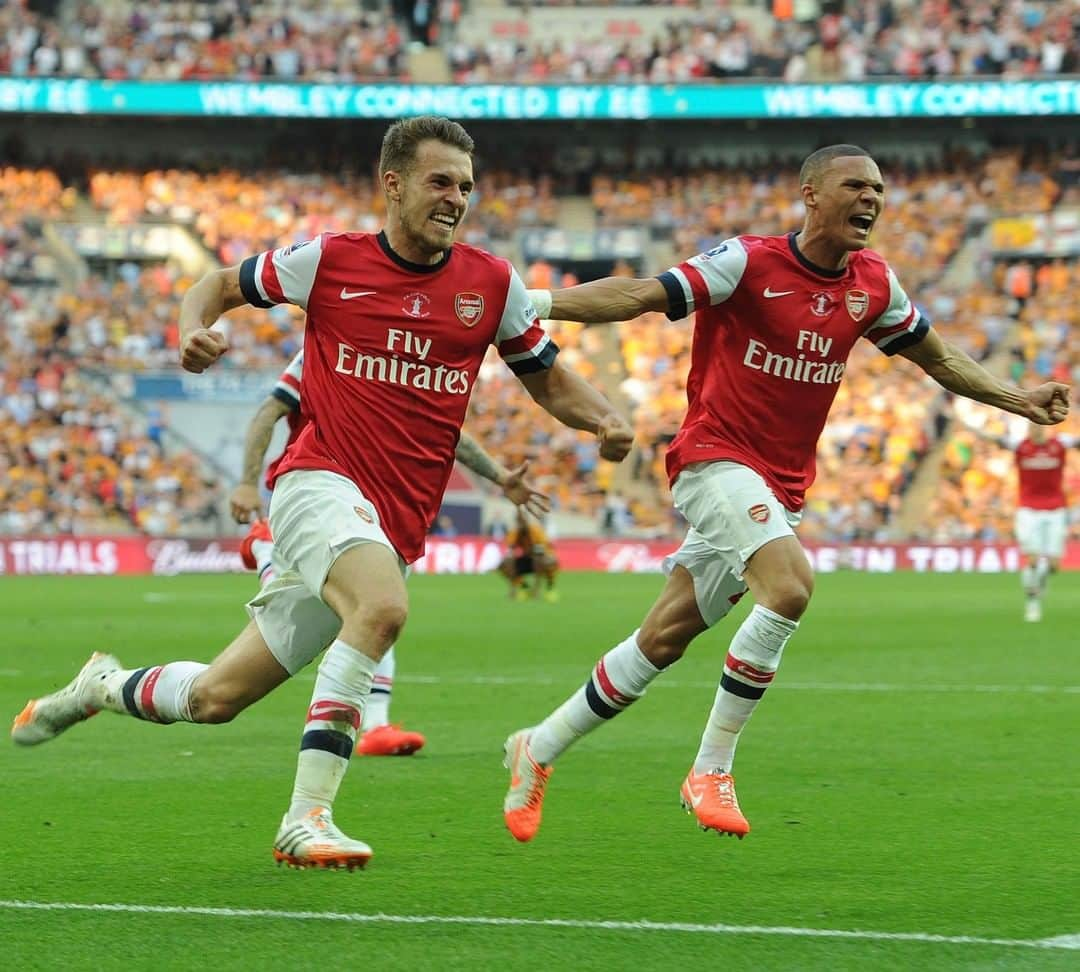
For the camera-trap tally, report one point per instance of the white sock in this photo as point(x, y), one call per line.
point(751, 663)
point(263, 551)
point(1029, 577)
point(333, 719)
point(377, 711)
point(619, 679)
point(1042, 575)
point(160, 693)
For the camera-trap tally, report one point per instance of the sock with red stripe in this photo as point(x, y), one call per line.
point(751, 663)
point(341, 690)
point(263, 551)
point(160, 693)
point(377, 710)
point(619, 679)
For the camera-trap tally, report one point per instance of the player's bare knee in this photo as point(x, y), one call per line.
point(383, 620)
point(213, 703)
point(789, 598)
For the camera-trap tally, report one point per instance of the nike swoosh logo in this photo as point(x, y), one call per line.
point(349, 295)
point(696, 798)
point(778, 293)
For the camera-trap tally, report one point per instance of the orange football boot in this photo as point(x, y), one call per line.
point(525, 799)
point(389, 740)
point(711, 798)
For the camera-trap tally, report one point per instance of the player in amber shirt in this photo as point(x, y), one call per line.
point(775, 320)
point(530, 554)
point(1040, 512)
point(398, 323)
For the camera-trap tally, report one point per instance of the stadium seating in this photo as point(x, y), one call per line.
point(542, 42)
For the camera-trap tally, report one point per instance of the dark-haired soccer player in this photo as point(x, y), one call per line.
point(776, 318)
point(398, 323)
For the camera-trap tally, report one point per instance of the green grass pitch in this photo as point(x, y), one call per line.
point(914, 771)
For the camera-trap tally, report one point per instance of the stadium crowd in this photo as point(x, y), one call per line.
point(73, 462)
point(341, 42)
point(977, 492)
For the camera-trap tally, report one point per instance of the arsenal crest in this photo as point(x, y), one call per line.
point(858, 303)
point(759, 513)
point(469, 308)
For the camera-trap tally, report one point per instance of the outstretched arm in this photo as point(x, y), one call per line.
point(954, 370)
point(601, 301)
point(515, 488)
point(563, 393)
point(244, 502)
point(217, 292)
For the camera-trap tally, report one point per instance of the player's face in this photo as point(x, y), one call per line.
point(849, 200)
point(428, 201)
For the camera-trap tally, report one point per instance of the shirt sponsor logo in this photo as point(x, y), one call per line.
point(822, 304)
point(858, 303)
point(469, 308)
point(394, 369)
point(797, 367)
point(759, 513)
point(417, 305)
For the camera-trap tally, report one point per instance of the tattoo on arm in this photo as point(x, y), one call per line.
point(472, 455)
point(257, 440)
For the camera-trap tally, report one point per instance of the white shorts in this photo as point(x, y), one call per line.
point(1041, 533)
point(732, 513)
point(315, 516)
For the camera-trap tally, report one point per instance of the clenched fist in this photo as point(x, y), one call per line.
point(201, 348)
point(615, 437)
point(1049, 403)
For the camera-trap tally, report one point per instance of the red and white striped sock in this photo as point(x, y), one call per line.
point(160, 693)
point(333, 721)
point(618, 680)
point(751, 663)
point(377, 710)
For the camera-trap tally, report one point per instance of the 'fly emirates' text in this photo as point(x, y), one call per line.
point(402, 371)
point(760, 358)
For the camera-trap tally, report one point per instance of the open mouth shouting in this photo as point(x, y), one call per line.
point(863, 223)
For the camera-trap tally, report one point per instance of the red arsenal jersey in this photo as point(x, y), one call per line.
point(1040, 468)
point(287, 390)
point(391, 353)
point(772, 335)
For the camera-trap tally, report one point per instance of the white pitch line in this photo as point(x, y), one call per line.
point(674, 683)
point(796, 686)
point(1070, 942)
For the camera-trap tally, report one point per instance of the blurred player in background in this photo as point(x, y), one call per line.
point(1041, 511)
point(378, 736)
point(776, 318)
point(398, 324)
point(530, 554)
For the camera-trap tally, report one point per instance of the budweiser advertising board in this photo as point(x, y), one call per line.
point(475, 555)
